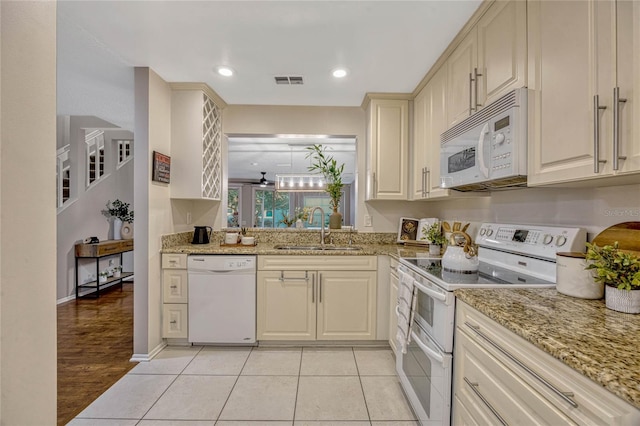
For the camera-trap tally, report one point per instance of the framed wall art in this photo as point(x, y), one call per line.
point(408, 229)
point(161, 168)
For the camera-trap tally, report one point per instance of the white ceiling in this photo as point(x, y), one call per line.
point(387, 46)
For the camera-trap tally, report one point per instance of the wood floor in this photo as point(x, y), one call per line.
point(95, 343)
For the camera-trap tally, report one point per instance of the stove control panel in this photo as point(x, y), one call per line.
point(532, 240)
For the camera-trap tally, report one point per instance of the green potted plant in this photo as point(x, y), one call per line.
point(619, 271)
point(117, 212)
point(435, 237)
point(103, 276)
point(332, 172)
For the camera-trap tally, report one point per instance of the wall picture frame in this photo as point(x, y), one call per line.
point(161, 168)
point(407, 229)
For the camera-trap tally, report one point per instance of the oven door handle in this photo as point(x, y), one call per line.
point(427, 350)
point(439, 296)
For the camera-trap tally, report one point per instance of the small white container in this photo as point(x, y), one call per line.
point(231, 238)
point(573, 279)
point(248, 241)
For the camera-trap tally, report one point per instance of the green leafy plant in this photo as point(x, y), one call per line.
point(434, 234)
point(613, 267)
point(329, 168)
point(119, 210)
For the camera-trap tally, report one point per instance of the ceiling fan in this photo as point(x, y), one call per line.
point(263, 180)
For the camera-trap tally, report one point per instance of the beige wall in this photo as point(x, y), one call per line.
point(152, 133)
point(27, 213)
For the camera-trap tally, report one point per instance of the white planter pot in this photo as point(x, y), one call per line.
point(627, 301)
point(434, 249)
point(102, 279)
point(117, 229)
point(116, 274)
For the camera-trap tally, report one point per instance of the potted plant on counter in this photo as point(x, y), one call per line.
point(332, 173)
point(435, 237)
point(619, 271)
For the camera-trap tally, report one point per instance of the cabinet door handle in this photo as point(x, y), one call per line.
point(375, 186)
point(476, 75)
point(596, 134)
point(474, 388)
point(564, 395)
point(320, 288)
point(313, 289)
point(617, 100)
point(470, 93)
point(427, 182)
point(424, 172)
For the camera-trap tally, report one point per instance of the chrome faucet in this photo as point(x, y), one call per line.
point(322, 233)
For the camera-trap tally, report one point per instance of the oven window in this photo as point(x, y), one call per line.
point(462, 160)
point(424, 309)
point(417, 367)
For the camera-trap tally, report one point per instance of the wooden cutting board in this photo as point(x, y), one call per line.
point(627, 234)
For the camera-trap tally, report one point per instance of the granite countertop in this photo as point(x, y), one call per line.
point(394, 250)
point(599, 343)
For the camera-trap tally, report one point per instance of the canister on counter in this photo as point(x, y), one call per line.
point(573, 279)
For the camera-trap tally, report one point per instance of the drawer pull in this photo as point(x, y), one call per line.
point(474, 388)
point(174, 286)
point(283, 278)
point(566, 396)
point(173, 322)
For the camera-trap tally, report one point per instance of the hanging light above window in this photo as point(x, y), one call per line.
point(299, 183)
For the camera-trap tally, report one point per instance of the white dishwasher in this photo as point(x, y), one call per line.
point(222, 299)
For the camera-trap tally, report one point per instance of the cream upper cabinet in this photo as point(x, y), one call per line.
point(502, 50)
point(316, 297)
point(346, 305)
point(489, 62)
point(628, 83)
point(196, 140)
point(387, 149)
point(580, 52)
point(461, 65)
point(429, 121)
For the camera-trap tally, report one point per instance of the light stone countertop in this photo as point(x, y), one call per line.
point(599, 343)
point(394, 250)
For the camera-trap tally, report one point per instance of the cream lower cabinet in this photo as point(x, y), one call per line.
point(316, 298)
point(393, 303)
point(580, 54)
point(174, 296)
point(500, 377)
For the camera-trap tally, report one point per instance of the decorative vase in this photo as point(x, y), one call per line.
point(299, 224)
point(102, 279)
point(335, 220)
point(434, 249)
point(127, 231)
point(627, 301)
point(116, 274)
point(117, 229)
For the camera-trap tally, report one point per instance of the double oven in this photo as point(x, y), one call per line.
point(512, 256)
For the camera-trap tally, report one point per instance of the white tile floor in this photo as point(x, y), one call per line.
point(198, 386)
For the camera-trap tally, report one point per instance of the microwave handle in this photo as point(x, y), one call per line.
point(483, 166)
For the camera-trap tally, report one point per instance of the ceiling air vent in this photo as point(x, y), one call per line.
point(289, 80)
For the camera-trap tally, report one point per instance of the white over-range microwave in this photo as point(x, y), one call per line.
point(487, 150)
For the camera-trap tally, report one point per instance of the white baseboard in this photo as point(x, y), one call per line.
point(148, 357)
point(65, 299)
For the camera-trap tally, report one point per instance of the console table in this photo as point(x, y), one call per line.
point(98, 251)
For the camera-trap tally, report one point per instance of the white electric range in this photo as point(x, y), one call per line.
point(510, 256)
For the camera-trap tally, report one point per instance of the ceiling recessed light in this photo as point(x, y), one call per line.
point(339, 73)
point(225, 71)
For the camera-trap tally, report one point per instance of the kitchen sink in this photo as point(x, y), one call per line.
point(318, 248)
